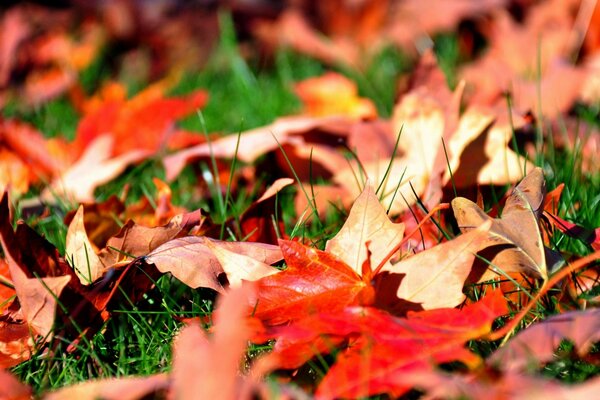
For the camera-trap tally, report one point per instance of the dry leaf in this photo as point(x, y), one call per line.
point(515, 244)
point(366, 223)
point(239, 267)
point(191, 261)
point(435, 278)
point(80, 251)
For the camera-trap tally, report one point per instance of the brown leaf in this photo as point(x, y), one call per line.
point(191, 261)
point(135, 240)
point(515, 243)
point(252, 144)
point(366, 223)
point(16, 343)
point(37, 296)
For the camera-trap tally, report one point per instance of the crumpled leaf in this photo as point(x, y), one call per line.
point(515, 243)
point(537, 344)
point(366, 223)
point(135, 240)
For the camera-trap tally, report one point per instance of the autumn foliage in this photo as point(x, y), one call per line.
point(447, 257)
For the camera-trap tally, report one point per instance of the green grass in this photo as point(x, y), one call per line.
point(243, 95)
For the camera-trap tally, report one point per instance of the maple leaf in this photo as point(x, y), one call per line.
point(208, 368)
point(526, 67)
point(515, 243)
point(313, 281)
point(126, 388)
point(253, 143)
point(366, 223)
point(94, 168)
point(143, 122)
point(492, 384)
point(537, 344)
point(434, 139)
point(381, 347)
point(321, 280)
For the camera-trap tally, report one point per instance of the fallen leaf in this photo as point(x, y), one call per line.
point(209, 368)
point(125, 388)
point(16, 343)
point(80, 251)
point(191, 261)
point(333, 94)
point(259, 222)
point(142, 123)
point(589, 236)
point(252, 144)
point(537, 344)
point(366, 223)
point(37, 296)
point(239, 267)
point(378, 347)
point(92, 169)
point(313, 281)
point(515, 243)
point(435, 278)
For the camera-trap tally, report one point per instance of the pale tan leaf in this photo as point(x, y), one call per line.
point(80, 251)
point(515, 243)
point(435, 278)
point(367, 222)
